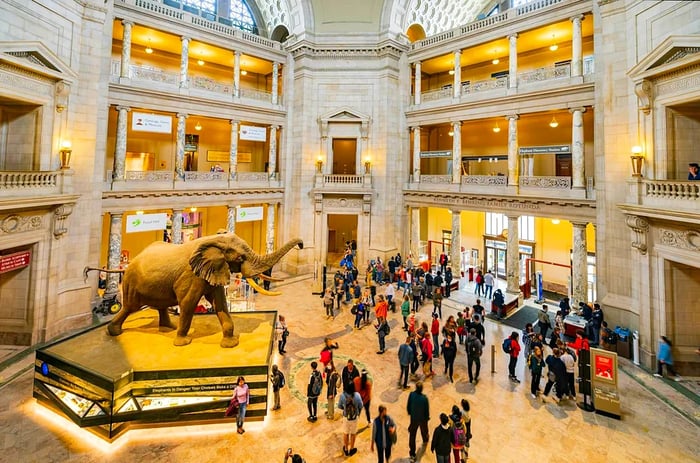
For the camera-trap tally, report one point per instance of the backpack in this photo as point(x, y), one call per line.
point(473, 348)
point(387, 329)
point(460, 434)
point(507, 345)
point(316, 384)
point(280, 380)
point(350, 408)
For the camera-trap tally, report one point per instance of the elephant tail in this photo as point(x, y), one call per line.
point(87, 270)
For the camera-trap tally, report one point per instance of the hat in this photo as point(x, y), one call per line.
point(364, 372)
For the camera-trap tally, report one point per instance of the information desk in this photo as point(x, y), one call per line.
point(573, 323)
point(108, 384)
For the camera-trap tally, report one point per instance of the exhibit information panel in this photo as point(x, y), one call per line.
point(110, 384)
point(604, 374)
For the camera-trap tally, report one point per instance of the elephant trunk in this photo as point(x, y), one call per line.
point(257, 264)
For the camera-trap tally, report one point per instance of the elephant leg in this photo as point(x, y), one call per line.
point(114, 328)
point(164, 319)
point(221, 307)
point(187, 306)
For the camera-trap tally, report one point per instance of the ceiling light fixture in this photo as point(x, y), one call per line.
point(553, 46)
point(451, 133)
point(200, 62)
point(244, 72)
point(553, 123)
point(496, 128)
point(149, 50)
point(198, 127)
point(451, 72)
point(495, 58)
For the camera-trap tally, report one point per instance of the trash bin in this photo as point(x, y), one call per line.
point(623, 342)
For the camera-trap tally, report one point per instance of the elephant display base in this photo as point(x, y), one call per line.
point(142, 368)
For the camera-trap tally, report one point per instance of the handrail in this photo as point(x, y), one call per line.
point(672, 189)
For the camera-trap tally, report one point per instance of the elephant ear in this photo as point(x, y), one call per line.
point(208, 262)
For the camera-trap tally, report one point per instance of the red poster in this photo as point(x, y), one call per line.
point(604, 368)
point(15, 261)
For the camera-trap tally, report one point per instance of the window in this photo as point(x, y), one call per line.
point(496, 223)
point(241, 16)
point(208, 6)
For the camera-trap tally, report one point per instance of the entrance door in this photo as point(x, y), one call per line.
point(341, 229)
point(344, 156)
point(563, 167)
point(496, 261)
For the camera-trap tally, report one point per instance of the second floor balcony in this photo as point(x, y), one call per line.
point(162, 180)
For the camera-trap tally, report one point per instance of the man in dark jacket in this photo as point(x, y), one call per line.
point(443, 438)
point(557, 374)
point(418, 409)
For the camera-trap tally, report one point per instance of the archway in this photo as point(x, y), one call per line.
point(415, 33)
point(280, 34)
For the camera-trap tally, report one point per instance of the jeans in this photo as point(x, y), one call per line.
point(282, 342)
point(412, 431)
point(366, 407)
point(382, 344)
point(416, 303)
point(312, 405)
point(442, 458)
point(488, 293)
point(241, 415)
point(571, 384)
point(403, 379)
point(358, 319)
point(436, 346)
point(543, 329)
point(669, 368)
point(535, 383)
point(470, 361)
point(511, 366)
point(449, 367)
point(384, 454)
point(405, 323)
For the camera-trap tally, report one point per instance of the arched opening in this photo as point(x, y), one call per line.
point(280, 34)
point(415, 33)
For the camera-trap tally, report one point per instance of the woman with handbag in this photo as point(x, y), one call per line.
point(241, 394)
point(383, 435)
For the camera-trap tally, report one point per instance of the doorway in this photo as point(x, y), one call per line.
point(563, 165)
point(496, 259)
point(345, 157)
point(341, 228)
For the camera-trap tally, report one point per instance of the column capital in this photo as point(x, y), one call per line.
point(456, 124)
point(415, 127)
point(513, 36)
point(458, 51)
point(177, 211)
point(237, 53)
point(579, 17)
point(581, 109)
point(115, 214)
point(123, 108)
point(182, 115)
point(184, 38)
point(512, 215)
point(274, 127)
point(456, 211)
point(510, 117)
point(234, 121)
point(416, 63)
point(126, 22)
point(579, 224)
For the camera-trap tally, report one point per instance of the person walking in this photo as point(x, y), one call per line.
point(389, 293)
point(434, 331)
point(665, 357)
point(382, 332)
point(555, 375)
point(443, 438)
point(328, 300)
point(479, 280)
point(363, 386)
point(513, 356)
point(242, 394)
point(418, 408)
point(460, 437)
point(405, 360)
point(350, 403)
point(313, 390)
point(448, 281)
point(349, 374)
point(437, 302)
point(474, 350)
point(281, 332)
point(543, 321)
point(405, 311)
point(332, 383)
point(536, 364)
point(383, 435)
point(449, 353)
point(427, 355)
point(416, 292)
point(277, 380)
point(326, 356)
point(488, 284)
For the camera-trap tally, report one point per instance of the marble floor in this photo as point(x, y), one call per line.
point(507, 424)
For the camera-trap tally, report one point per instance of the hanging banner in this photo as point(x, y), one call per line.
point(15, 261)
point(252, 133)
point(146, 222)
point(158, 123)
point(249, 214)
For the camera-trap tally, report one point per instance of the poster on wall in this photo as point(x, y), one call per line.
point(15, 261)
point(146, 222)
point(604, 368)
point(252, 133)
point(249, 214)
point(158, 123)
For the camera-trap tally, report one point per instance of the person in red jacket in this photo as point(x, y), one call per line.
point(435, 330)
point(382, 307)
point(513, 356)
point(580, 343)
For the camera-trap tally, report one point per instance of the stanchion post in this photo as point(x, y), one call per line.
point(493, 359)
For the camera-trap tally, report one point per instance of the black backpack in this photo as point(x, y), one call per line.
point(280, 380)
point(473, 348)
point(350, 408)
point(316, 384)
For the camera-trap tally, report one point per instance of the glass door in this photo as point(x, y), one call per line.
point(496, 258)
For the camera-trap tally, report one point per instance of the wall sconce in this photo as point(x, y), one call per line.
point(64, 154)
point(553, 123)
point(637, 159)
point(193, 209)
point(555, 221)
point(319, 164)
point(368, 165)
point(139, 212)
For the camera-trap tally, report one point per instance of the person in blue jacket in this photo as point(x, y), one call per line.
point(664, 357)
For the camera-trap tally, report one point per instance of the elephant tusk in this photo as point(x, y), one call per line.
point(265, 277)
point(257, 287)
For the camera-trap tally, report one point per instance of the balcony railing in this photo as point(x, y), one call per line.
point(436, 179)
point(343, 182)
point(254, 94)
point(205, 83)
point(439, 94)
point(335, 179)
point(167, 180)
point(557, 183)
point(487, 180)
point(484, 85)
point(544, 73)
point(33, 183)
point(672, 189)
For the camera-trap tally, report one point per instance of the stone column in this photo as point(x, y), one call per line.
point(416, 154)
point(119, 172)
point(270, 230)
point(579, 267)
point(177, 226)
point(275, 84)
point(237, 74)
point(184, 61)
point(416, 84)
point(231, 219)
point(578, 179)
point(513, 160)
point(126, 50)
point(576, 44)
point(513, 61)
point(233, 150)
point(415, 234)
point(180, 147)
point(272, 155)
point(114, 253)
point(456, 245)
point(457, 82)
point(513, 259)
point(457, 152)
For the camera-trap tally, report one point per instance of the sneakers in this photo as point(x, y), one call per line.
point(677, 379)
point(658, 375)
point(352, 452)
point(312, 419)
point(533, 396)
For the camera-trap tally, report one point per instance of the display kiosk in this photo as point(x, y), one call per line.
point(139, 379)
point(604, 375)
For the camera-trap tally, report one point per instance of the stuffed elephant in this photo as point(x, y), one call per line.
point(165, 274)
